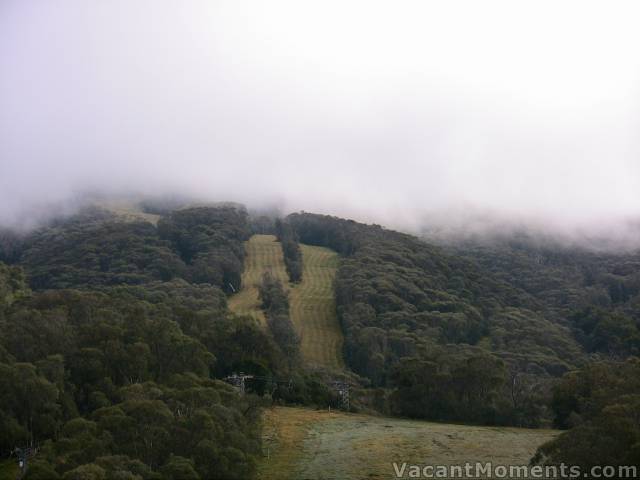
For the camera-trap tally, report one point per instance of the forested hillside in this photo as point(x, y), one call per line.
point(399, 297)
point(473, 334)
point(597, 294)
point(116, 334)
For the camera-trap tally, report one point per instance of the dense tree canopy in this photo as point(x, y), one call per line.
point(209, 241)
point(115, 334)
point(532, 312)
point(94, 249)
point(275, 304)
point(116, 373)
point(111, 361)
point(113, 354)
point(290, 249)
point(601, 404)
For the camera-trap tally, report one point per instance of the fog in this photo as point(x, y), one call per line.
point(410, 113)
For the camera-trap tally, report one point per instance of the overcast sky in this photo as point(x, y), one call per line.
point(390, 111)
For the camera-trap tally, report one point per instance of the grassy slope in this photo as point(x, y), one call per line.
point(312, 300)
point(263, 254)
point(313, 309)
point(309, 444)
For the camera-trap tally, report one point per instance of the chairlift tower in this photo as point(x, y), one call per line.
point(343, 392)
point(238, 381)
point(23, 455)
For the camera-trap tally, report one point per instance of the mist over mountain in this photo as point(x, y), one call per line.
point(454, 117)
point(265, 240)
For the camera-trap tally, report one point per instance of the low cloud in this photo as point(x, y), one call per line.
point(404, 113)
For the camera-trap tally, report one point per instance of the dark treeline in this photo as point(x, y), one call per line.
point(596, 295)
point(92, 249)
point(114, 336)
point(601, 405)
point(423, 324)
point(475, 333)
point(290, 249)
point(95, 248)
point(275, 304)
point(121, 380)
point(209, 241)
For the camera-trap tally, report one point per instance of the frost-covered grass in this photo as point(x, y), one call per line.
point(310, 444)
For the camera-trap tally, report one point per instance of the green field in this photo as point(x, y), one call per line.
point(263, 253)
point(313, 309)
point(304, 444)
